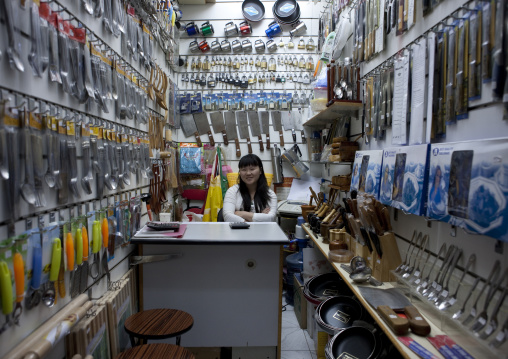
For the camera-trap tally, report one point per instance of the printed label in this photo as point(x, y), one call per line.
point(342, 317)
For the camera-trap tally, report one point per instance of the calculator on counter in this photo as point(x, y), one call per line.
point(164, 226)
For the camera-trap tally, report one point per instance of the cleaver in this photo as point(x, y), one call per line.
point(189, 128)
point(277, 126)
point(255, 129)
point(229, 117)
point(218, 125)
point(203, 126)
point(288, 123)
point(265, 126)
point(298, 123)
point(243, 127)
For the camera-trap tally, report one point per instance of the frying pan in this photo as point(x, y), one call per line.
point(358, 342)
point(253, 10)
point(325, 285)
point(337, 313)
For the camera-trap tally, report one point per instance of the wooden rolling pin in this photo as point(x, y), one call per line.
point(30, 342)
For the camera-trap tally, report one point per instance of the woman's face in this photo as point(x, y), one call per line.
point(250, 174)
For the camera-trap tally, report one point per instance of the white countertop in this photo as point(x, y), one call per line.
point(220, 233)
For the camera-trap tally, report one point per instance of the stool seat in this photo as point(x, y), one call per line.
point(158, 324)
point(155, 351)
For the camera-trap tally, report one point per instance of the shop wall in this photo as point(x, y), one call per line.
point(14, 83)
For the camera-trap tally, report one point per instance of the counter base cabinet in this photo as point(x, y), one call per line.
point(232, 292)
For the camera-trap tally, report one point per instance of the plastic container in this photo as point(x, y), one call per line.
point(294, 264)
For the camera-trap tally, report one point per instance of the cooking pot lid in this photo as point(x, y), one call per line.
point(327, 285)
point(253, 10)
point(285, 8)
point(357, 342)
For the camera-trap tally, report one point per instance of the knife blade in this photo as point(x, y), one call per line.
point(265, 126)
point(218, 125)
point(189, 128)
point(230, 120)
point(203, 126)
point(287, 123)
point(243, 127)
point(297, 117)
point(254, 127)
point(277, 125)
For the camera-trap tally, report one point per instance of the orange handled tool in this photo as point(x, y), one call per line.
point(19, 278)
point(69, 250)
point(105, 232)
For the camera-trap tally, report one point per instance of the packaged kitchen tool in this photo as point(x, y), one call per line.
point(367, 172)
point(468, 185)
point(404, 178)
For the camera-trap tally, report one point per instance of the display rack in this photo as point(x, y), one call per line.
point(476, 351)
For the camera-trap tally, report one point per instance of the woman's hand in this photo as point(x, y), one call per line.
point(266, 210)
point(245, 215)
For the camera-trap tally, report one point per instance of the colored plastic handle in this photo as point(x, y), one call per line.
point(56, 258)
point(6, 288)
point(19, 276)
point(105, 232)
point(36, 267)
point(79, 247)
point(84, 235)
point(69, 251)
point(96, 235)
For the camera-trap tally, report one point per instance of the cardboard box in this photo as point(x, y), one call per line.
point(404, 178)
point(367, 172)
point(468, 186)
point(300, 303)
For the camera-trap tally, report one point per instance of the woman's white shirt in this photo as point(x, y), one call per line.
point(233, 201)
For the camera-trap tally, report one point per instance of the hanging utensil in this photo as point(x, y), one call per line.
point(277, 125)
point(255, 127)
point(493, 322)
point(14, 49)
point(218, 125)
point(6, 292)
point(481, 319)
point(203, 126)
point(231, 130)
point(73, 168)
point(28, 188)
point(243, 127)
point(38, 165)
point(448, 302)
point(49, 295)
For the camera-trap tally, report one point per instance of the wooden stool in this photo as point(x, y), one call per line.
point(158, 324)
point(155, 351)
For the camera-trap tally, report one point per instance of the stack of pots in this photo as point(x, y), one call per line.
point(286, 11)
point(323, 286)
point(358, 341)
point(338, 313)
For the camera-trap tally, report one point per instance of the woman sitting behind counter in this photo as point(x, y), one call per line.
point(251, 200)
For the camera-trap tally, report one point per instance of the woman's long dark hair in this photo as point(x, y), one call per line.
point(261, 197)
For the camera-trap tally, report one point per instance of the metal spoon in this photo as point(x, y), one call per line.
point(28, 189)
point(459, 313)
point(12, 51)
point(492, 325)
point(4, 158)
point(481, 319)
point(453, 299)
point(401, 266)
point(443, 294)
point(87, 169)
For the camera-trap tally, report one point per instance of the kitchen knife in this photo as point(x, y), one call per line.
point(203, 126)
point(277, 125)
point(243, 127)
point(288, 123)
point(254, 127)
point(230, 120)
point(218, 125)
point(189, 128)
point(265, 126)
point(298, 123)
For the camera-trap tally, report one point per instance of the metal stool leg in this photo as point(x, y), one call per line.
point(133, 341)
point(178, 338)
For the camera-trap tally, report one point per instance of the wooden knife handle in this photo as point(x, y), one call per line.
point(198, 139)
point(225, 137)
point(375, 222)
point(417, 323)
point(237, 144)
point(267, 141)
point(304, 139)
point(281, 136)
point(386, 215)
point(293, 132)
point(210, 137)
point(398, 325)
point(249, 144)
point(261, 147)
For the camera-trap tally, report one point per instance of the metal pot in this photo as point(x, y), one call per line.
point(230, 29)
point(245, 28)
point(298, 29)
point(273, 29)
point(203, 46)
point(215, 46)
point(246, 45)
point(259, 45)
point(225, 45)
point(193, 46)
point(192, 29)
point(271, 45)
point(207, 29)
point(236, 46)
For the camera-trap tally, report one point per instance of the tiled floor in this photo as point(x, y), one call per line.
point(295, 342)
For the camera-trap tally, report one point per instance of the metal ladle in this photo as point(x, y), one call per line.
point(12, 52)
point(28, 188)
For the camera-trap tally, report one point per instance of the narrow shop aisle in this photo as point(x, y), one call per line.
point(295, 342)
